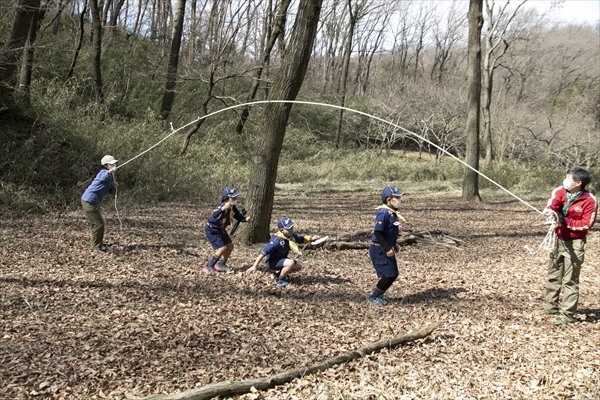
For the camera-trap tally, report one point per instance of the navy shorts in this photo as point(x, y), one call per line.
point(386, 267)
point(217, 237)
point(277, 265)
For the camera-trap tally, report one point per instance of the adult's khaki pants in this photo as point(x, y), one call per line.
point(563, 270)
point(92, 213)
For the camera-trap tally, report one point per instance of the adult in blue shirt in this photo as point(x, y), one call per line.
point(383, 246)
point(103, 183)
point(277, 249)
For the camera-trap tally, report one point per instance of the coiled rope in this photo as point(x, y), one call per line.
point(549, 241)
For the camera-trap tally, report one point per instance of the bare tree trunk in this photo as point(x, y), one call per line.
point(495, 35)
point(191, 45)
point(268, 147)
point(79, 40)
point(345, 69)
point(169, 93)
point(57, 19)
point(470, 189)
point(12, 50)
point(97, 50)
point(140, 17)
point(266, 55)
point(27, 64)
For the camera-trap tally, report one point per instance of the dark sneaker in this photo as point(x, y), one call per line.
point(221, 267)
point(546, 312)
point(380, 301)
point(282, 282)
point(209, 270)
point(562, 321)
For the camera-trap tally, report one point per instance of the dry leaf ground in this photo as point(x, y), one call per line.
point(146, 320)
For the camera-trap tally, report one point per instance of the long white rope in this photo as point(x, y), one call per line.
point(173, 131)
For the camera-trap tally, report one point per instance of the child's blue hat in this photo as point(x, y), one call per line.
point(390, 191)
point(285, 223)
point(229, 192)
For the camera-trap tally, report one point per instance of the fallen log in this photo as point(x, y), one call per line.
point(229, 388)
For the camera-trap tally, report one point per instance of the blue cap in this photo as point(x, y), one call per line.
point(285, 223)
point(390, 191)
point(229, 192)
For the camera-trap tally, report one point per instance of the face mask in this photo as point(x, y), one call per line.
point(288, 232)
point(233, 202)
point(568, 184)
point(396, 202)
point(111, 166)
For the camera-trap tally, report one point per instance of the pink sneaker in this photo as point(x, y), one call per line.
point(209, 270)
point(221, 266)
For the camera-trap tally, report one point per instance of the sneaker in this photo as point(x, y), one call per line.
point(100, 251)
point(381, 301)
point(562, 321)
point(282, 282)
point(546, 312)
point(221, 266)
point(209, 270)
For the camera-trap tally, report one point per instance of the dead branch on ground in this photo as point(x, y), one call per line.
point(236, 388)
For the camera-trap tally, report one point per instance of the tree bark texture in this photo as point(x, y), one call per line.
point(345, 68)
point(268, 147)
point(27, 63)
point(236, 388)
point(12, 51)
point(266, 56)
point(169, 93)
point(79, 40)
point(97, 50)
point(470, 189)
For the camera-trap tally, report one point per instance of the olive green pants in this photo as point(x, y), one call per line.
point(563, 270)
point(92, 213)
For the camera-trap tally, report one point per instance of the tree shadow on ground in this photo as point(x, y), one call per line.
point(185, 289)
point(145, 247)
point(312, 280)
point(592, 315)
point(432, 293)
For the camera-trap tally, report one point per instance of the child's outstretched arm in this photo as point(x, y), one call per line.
point(258, 260)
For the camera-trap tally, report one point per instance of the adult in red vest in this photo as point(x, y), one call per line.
point(574, 210)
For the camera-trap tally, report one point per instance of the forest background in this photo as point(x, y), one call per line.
point(115, 77)
point(81, 79)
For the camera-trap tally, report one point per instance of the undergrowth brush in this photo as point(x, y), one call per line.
point(48, 165)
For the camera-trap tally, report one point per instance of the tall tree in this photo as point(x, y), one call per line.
point(12, 50)
point(494, 37)
point(169, 93)
point(264, 61)
point(470, 187)
point(97, 49)
point(27, 63)
point(80, 32)
point(286, 85)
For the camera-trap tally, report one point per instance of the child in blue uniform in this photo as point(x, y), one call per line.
point(278, 248)
point(383, 246)
point(103, 183)
point(216, 232)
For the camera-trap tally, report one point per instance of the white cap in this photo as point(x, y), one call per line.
point(108, 160)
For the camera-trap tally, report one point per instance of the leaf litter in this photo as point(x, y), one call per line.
point(144, 319)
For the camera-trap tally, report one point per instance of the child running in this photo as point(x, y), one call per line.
point(278, 248)
point(383, 246)
point(216, 230)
